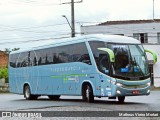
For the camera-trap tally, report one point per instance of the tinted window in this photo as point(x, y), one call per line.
point(101, 57)
point(33, 58)
point(64, 53)
point(80, 53)
point(22, 60)
point(13, 59)
point(94, 45)
point(61, 54)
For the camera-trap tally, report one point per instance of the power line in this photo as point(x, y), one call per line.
point(34, 27)
point(33, 3)
point(36, 40)
point(38, 32)
point(24, 37)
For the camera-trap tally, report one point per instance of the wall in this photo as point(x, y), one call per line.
point(156, 67)
point(126, 29)
point(3, 59)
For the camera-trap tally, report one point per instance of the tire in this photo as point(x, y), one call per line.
point(54, 97)
point(28, 95)
point(121, 99)
point(87, 94)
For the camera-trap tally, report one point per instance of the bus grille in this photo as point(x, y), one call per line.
point(134, 86)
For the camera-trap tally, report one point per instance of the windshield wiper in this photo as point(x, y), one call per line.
point(130, 61)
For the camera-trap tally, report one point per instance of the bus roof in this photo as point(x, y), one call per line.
point(95, 37)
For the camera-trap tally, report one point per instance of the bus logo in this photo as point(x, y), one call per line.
point(6, 114)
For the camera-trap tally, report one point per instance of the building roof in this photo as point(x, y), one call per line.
point(130, 22)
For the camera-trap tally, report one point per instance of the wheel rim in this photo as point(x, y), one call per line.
point(27, 92)
point(87, 93)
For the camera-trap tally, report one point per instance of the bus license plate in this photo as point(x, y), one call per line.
point(135, 92)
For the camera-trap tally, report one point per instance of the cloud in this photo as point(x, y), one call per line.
point(20, 13)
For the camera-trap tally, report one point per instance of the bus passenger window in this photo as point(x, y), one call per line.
point(85, 59)
point(34, 61)
point(40, 61)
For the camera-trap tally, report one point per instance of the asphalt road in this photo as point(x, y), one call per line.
point(136, 103)
point(14, 102)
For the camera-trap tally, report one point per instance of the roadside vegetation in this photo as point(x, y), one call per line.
point(4, 74)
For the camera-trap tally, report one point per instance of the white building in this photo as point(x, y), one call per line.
point(147, 31)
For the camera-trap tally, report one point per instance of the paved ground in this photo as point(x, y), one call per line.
point(13, 102)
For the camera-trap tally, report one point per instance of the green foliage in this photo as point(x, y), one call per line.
point(4, 74)
point(8, 50)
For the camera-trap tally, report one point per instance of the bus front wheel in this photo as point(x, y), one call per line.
point(121, 99)
point(27, 93)
point(87, 94)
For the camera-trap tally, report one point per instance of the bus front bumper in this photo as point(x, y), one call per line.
point(130, 90)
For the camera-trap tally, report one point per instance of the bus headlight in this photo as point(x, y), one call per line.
point(149, 84)
point(113, 82)
point(119, 84)
point(118, 92)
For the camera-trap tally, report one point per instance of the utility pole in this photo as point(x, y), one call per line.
point(72, 16)
point(153, 9)
point(72, 19)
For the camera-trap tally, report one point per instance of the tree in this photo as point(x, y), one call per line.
point(8, 50)
point(14, 49)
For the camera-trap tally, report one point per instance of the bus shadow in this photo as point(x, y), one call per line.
point(116, 102)
point(99, 101)
point(108, 102)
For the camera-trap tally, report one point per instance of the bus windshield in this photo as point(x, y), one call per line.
point(130, 60)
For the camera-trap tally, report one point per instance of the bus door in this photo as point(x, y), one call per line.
point(105, 67)
point(106, 60)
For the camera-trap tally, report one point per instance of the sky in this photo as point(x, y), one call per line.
point(29, 23)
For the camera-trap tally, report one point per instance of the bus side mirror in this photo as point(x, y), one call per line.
point(153, 54)
point(110, 53)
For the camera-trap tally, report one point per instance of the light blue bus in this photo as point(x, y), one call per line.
point(89, 66)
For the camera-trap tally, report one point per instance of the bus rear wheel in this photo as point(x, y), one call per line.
point(54, 97)
point(87, 94)
point(121, 99)
point(28, 95)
